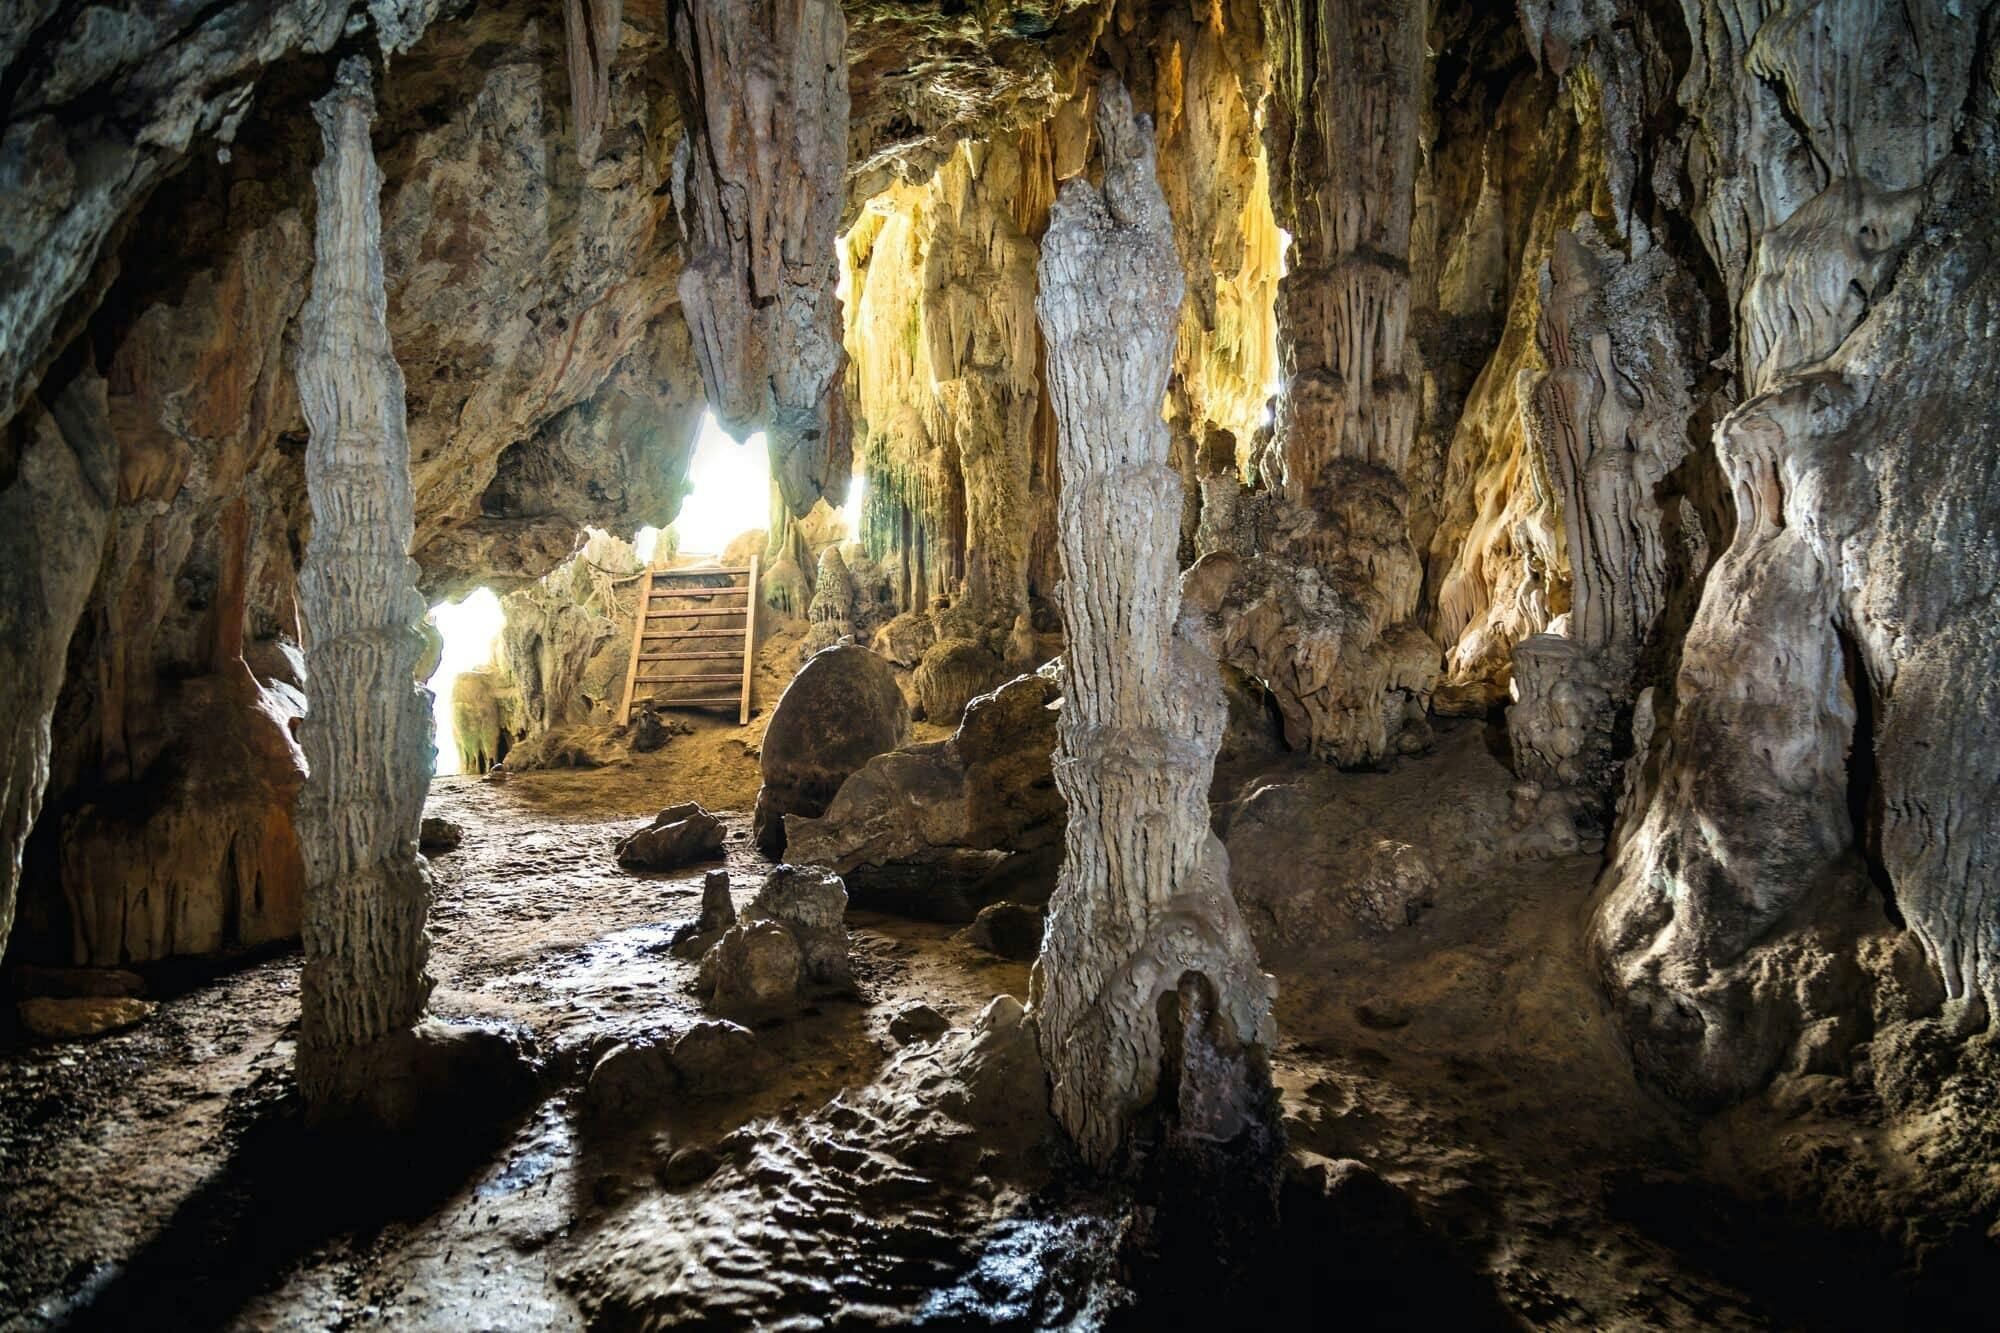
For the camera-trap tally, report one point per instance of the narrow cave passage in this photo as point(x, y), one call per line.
point(470, 629)
point(1098, 664)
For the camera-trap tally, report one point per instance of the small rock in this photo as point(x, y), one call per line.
point(690, 1166)
point(1395, 886)
point(715, 1058)
point(718, 913)
point(1011, 930)
point(72, 1018)
point(812, 904)
point(437, 834)
point(752, 970)
point(651, 731)
point(678, 834)
point(917, 1021)
point(631, 1077)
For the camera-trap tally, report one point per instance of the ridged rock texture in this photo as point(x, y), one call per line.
point(1325, 607)
point(367, 733)
point(759, 181)
point(1835, 698)
point(1147, 995)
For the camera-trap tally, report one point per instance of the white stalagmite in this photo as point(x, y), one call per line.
point(368, 732)
point(1142, 913)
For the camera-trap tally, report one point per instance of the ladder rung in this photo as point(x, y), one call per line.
point(732, 700)
point(736, 633)
point(687, 680)
point(700, 592)
point(690, 657)
point(659, 574)
point(698, 611)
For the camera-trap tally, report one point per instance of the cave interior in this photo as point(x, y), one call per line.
point(1370, 632)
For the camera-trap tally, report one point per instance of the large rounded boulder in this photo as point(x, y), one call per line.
point(840, 711)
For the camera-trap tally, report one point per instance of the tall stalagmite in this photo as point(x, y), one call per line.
point(1324, 608)
point(1142, 913)
point(368, 732)
point(759, 182)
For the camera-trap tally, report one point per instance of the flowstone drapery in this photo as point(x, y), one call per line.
point(1148, 993)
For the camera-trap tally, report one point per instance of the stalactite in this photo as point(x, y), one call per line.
point(592, 27)
point(367, 735)
point(759, 184)
point(1142, 913)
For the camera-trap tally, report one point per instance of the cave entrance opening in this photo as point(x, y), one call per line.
point(471, 629)
point(729, 492)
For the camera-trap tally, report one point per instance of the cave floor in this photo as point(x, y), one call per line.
point(158, 1178)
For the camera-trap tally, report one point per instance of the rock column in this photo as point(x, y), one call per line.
point(1147, 994)
point(367, 734)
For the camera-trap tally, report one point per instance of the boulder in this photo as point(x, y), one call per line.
point(925, 830)
point(753, 971)
point(72, 1018)
point(951, 675)
point(840, 711)
point(438, 834)
point(1011, 930)
point(678, 835)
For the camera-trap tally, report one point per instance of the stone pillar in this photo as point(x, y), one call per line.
point(1142, 913)
point(367, 734)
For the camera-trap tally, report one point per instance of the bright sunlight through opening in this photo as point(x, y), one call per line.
point(729, 490)
point(471, 630)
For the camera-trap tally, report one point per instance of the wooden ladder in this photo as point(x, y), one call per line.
point(686, 634)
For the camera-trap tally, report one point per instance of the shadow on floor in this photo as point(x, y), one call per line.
point(284, 1192)
point(1801, 1274)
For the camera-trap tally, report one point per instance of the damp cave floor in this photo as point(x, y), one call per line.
point(156, 1178)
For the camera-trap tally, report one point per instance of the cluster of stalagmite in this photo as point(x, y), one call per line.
point(1607, 421)
point(758, 184)
point(367, 735)
point(1142, 913)
point(1325, 608)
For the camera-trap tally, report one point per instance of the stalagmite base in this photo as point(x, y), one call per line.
point(1148, 996)
point(364, 1053)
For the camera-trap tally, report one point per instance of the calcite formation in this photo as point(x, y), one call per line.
point(367, 735)
point(1726, 922)
point(54, 519)
point(758, 184)
point(1142, 911)
point(1325, 610)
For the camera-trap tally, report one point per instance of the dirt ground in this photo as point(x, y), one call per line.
point(159, 1177)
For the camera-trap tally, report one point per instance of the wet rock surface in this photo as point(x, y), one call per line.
point(152, 1168)
point(679, 835)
